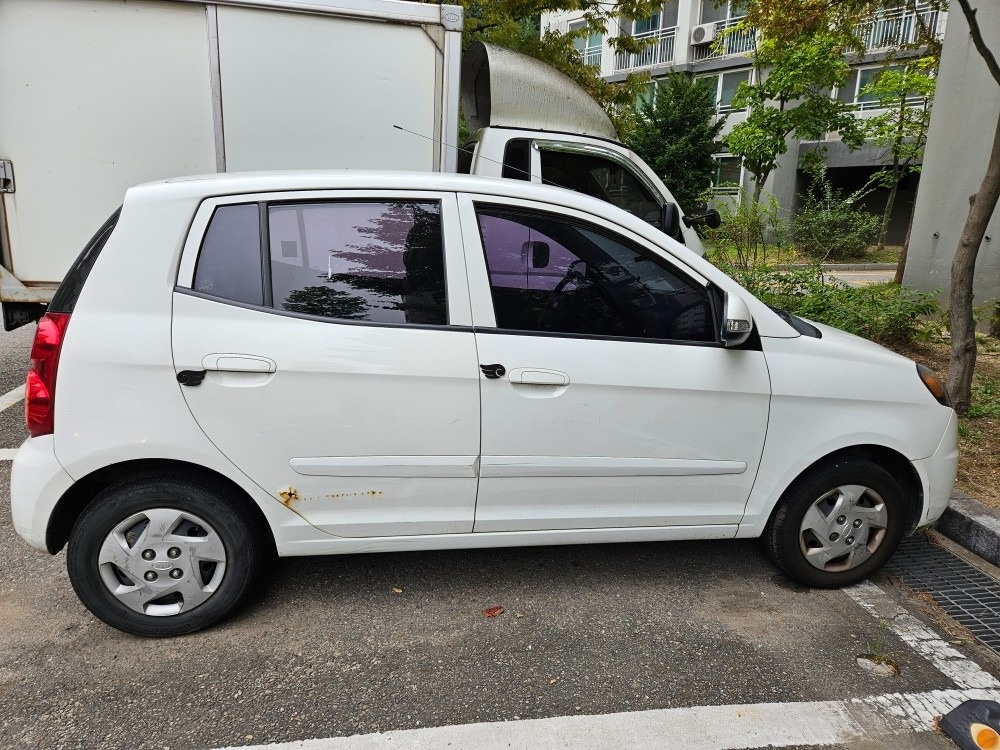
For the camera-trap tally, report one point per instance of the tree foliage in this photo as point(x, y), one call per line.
point(904, 94)
point(675, 134)
point(515, 24)
point(798, 60)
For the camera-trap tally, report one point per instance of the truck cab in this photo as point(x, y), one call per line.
point(530, 122)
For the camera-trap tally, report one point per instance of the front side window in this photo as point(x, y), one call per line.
point(600, 178)
point(554, 275)
point(380, 262)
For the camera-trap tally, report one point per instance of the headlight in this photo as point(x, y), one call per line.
point(934, 384)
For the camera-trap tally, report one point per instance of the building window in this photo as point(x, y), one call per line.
point(726, 86)
point(853, 90)
point(711, 10)
point(728, 174)
point(589, 45)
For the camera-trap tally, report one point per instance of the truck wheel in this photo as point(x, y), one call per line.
point(837, 524)
point(159, 556)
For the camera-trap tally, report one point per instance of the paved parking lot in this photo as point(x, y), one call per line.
point(679, 645)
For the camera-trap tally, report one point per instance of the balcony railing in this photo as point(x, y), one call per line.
point(897, 28)
point(591, 55)
point(660, 51)
point(737, 42)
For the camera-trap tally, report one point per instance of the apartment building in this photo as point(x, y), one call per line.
point(684, 36)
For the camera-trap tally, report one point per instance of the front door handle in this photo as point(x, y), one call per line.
point(238, 363)
point(538, 376)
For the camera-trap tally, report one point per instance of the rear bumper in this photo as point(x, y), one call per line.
point(37, 483)
point(937, 474)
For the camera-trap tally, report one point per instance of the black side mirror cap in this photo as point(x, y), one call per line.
point(710, 219)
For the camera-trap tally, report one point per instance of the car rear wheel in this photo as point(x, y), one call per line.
point(837, 524)
point(160, 556)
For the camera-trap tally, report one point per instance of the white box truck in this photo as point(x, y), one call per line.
point(100, 95)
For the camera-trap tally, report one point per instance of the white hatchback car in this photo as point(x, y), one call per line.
point(327, 363)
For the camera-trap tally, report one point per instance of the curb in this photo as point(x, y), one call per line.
point(973, 525)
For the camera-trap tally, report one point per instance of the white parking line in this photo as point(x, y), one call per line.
point(875, 718)
point(7, 454)
point(759, 725)
point(11, 397)
point(949, 661)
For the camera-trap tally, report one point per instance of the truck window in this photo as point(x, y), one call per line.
point(465, 154)
point(517, 159)
point(601, 178)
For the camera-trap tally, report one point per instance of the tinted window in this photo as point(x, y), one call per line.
point(379, 262)
point(65, 297)
point(600, 178)
point(554, 275)
point(517, 160)
point(465, 155)
point(229, 265)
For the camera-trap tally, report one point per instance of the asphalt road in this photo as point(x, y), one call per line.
point(328, 648)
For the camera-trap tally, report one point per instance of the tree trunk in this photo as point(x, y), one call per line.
point(884, 229)
point(995, 321)
point(963, 328)
point(901, 264)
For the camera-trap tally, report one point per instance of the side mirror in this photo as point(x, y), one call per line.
point(538, 252)
point(670, 220)
point(737, 324)
point(710, 219)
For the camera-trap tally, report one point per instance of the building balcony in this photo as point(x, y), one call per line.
point(897, 28)
point(659, 50)
point(725, 43)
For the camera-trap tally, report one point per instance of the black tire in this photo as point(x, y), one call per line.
point(213, 504)
point(786, 541)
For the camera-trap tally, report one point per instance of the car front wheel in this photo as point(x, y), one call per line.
point(836, 525)
point(161, 556)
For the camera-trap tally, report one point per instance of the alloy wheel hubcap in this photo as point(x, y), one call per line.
point(843, 528)
point(162, 561)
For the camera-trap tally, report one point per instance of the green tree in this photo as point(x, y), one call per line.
point(798, 60)
point(904, 93)
point(962, 363)
point(675, 134)
point(515, 24)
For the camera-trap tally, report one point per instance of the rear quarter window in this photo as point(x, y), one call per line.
point(229, 264)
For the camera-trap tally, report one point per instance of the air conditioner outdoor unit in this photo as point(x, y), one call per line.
point(703, 34)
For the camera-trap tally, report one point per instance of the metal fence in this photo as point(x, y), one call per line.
point(660, 50)
point(900, 27)
point(736, 42)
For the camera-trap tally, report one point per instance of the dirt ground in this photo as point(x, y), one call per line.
point(979, 432)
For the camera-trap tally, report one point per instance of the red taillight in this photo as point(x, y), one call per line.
point(40, 391)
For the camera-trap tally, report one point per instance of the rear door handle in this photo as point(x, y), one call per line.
point(238, 363)
point(538, 376)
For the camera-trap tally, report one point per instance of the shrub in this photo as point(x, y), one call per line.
point(828, 224)
point(887, 313)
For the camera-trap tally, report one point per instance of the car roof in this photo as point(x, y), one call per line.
point(198, 187)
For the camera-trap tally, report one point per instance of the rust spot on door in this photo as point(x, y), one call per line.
point(289, 496)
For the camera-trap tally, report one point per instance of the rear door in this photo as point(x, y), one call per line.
point(608, 399)
point(343, 379)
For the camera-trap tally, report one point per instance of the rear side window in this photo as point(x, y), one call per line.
point(381, 262)
point(229, 265)
point(465, 155)
point(517, 160)
point(64, 300)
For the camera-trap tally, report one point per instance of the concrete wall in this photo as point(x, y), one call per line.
point(966, 108)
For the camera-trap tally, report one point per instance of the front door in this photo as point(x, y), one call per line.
point(335, 374)
point(607, 399)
